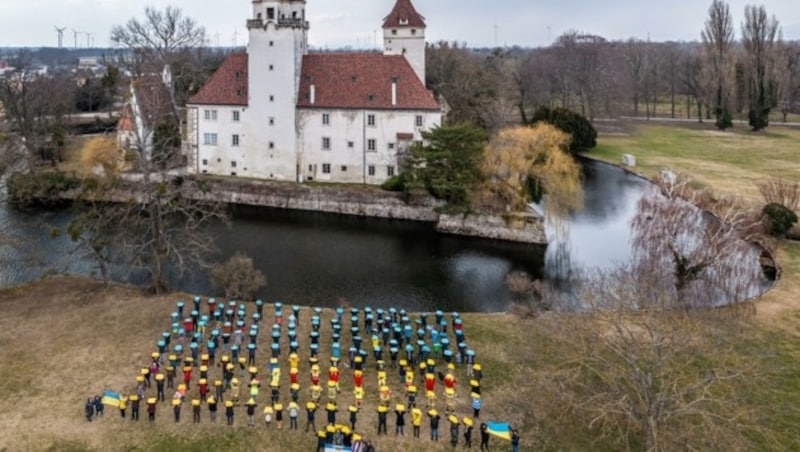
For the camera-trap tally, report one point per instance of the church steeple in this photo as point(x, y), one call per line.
point(404, 34)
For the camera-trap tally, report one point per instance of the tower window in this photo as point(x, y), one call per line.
point(272, 145)
point(326, 119)
point(271, 43)
point(270, 13)
point(371, 170)
point(235, 140)
point(372, 145)
point(326, 143)
point(236, 116)
point(272, 121)
point(326, 168)
point(413, 31)
point(272, 98)
point(394, 32)
point(271, 67)
point(371, 120)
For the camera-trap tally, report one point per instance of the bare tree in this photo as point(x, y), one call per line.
point(760, 36)
point(709, 253)
point(159, 35)
point(582, 70)
point(691, 79)
point(718, 64)
point(652, 378)
point(788, 69)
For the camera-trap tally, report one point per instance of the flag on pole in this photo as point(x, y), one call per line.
point(499, 429)
point(110, 398)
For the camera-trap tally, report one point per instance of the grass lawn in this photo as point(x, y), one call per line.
point(63, 339)
point(730, 162)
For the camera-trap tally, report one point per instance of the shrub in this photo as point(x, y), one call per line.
point(238, 277)
point(394, 183)
point(26, 191)
point(779, 218)
point(584, 135)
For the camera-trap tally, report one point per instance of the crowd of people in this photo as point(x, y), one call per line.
point(212, 358)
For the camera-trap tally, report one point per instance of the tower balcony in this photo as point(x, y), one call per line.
point(255, 23)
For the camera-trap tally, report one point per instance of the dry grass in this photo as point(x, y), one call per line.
point(64, 339)
point(83, 154)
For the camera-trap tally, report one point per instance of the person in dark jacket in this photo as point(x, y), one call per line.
point(212, 409)
point(514, 440)
point(353, 417)
point(400, 422)
point(453, 431)
point(382, 419)
point(251, 413)
point(134, 408)
point(484, 436)
point(311, 408)
point(89, 409)
point(151, 409)
point(176, 409)
point(468, 433)
point(229, 412)
point(98, 405)
point(434, 424)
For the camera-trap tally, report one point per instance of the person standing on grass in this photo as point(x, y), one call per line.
point(176, 409)
point(212, 408)
point(476, 405)
point(195, 411)
point(434, 424)
point(229, 412)
point(98, 406)
point(123, 404)
point(134, 407)
point(89, 409)
point(416, 420)
point(484, 436)
point(278, 407)
point(151, 409)
point(251, 413)
point(468, 432)
point(400, 420)
point(382, 419)
point(294, 412)
point(353, 417)
point(311, 408)
point(453, 430)
point(321, 435)
point(514, 440)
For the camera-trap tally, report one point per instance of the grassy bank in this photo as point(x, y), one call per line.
point(64, 339)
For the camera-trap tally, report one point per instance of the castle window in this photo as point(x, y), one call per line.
point(371, 170)
point(271, 43)
point(210, 115)
point(394, 32)
point(210, 139)
point(272, 121)
point(326, 168)
point(272, 145)
point(326, 144)
point(344, 168)
point(270, 13)
point(413, 31)
point(371, 97)
point(233, 164)
point(390, 170)
point(372, 145)
point(235, 116)
point(205, 162)
point(350, 144)
point(235, 140)
point(371, 120)
point(326, 119)
point(272, 98)
point(419, 120)
point(391, 146)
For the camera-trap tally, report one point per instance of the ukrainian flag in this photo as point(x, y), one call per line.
point(499, 429)
point(110, 398)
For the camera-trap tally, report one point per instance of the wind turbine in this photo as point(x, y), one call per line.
point(60, 31)
point(75, 36)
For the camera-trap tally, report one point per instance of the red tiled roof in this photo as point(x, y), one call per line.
point(403, 15)
point(125, 122)
point(228, 84)
point(154, 100)
point(362, 80)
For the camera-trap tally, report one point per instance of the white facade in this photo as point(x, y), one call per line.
point(409, 42)
point(357, 146)
point(268, 136)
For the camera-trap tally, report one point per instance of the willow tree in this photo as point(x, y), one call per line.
point(522, 162)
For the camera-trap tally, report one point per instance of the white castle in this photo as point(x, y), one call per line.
point(279, 112)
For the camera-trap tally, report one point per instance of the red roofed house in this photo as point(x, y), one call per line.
point(279, 112)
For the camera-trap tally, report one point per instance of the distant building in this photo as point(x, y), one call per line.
point(149, 103)
point(279, 112)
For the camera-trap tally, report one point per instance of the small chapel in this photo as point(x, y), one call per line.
point(283, 112)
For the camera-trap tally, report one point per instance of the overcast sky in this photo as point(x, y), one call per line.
point(354, 23)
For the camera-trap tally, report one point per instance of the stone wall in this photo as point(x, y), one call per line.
point(515, 227)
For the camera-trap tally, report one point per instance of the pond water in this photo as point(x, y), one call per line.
point(324, 260)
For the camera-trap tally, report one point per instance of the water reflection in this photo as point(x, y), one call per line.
point(319, 259)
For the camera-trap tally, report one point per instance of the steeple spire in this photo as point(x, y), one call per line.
point(404, 15)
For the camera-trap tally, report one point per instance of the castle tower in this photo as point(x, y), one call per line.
point(278, 40)
point(404, 34)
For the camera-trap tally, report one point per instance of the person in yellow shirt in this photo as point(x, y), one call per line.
point(416, 420)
